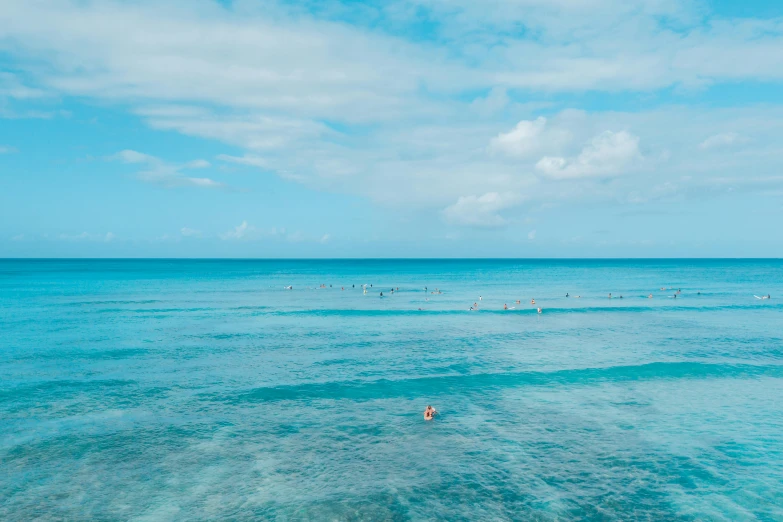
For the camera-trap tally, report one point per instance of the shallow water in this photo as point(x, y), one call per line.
point(174, 390)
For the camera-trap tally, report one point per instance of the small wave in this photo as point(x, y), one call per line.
point(427, 386)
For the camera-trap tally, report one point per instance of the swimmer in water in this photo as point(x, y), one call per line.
point(479, 298)
point(567, 295)
point(539, 310)
point(505, 306)
point(381, 294)
point(610, 295)
point(649, 296)
point(532, 301)
point(430, 413)
point(519, 302)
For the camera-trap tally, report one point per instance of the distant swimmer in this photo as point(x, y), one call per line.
point(342, 288)
point(519, 302)
point(381, 294)
point(430, 413)
point(479, 298)
point(475, 306)
point(505, 306)
point(539, 310)
point(649, 296)
point(621, 297)
point(532, 301)
point(567, 295)
point(289, 287)
point(610, 295)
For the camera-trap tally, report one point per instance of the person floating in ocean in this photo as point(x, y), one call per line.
point(539, 310)
point(518, 301)
point(649, 296)
point(381, 294)
point(610, 295)
point(479, 298)
point(505, 306)
point(532, 301)
point(567, 295)
point(430, 413)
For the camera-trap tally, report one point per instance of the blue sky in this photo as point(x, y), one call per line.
point(411, 128)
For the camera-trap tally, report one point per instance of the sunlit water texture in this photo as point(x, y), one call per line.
point(184, 390)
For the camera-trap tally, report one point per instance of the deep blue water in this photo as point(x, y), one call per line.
point(193, 390)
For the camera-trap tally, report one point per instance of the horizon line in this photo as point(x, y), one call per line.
point(391, 258)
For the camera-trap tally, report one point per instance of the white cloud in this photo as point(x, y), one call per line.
point(4, 149)
point(480, 211)
point(242, 231)
point(522, 140)
point(189, 232)
point(167, 175)
point(607, 154)
point(722, 140)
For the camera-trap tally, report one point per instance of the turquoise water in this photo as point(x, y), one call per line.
point(191, 390)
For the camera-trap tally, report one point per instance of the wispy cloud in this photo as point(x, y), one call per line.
point(165, 174)
point(249, 160)
point(86, 236)
point(5, 149)
point(241, 231)
point(190, 232)
point(723, 140)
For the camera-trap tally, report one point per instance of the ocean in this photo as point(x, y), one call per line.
point(204, 389)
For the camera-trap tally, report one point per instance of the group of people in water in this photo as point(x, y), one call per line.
point(475, 306)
